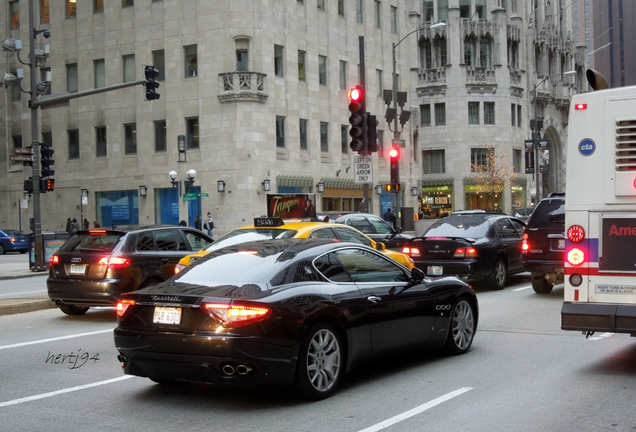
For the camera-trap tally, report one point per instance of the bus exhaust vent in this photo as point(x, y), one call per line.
point(625, 145)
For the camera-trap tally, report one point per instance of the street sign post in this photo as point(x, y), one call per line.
point(21, 158)
point(20, 150)
point(190, 196)
point(363, 169)
point(399, 142)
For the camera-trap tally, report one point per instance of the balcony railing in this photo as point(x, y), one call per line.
point(242, 86)
point(431, 81)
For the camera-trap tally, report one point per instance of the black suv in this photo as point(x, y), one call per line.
point(94, 267)
point(372, 226)
point(544, 243)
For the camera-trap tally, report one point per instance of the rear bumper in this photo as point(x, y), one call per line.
point(599, 317)
point(464, 269)
point(543, 266)
point(202, 358)
point(84, 292)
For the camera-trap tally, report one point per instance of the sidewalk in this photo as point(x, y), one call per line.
point(15, 269)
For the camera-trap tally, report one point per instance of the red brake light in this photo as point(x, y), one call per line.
point(114, 261)
point(236, 315)
point(580, 106)
point(123, 305)
point(576, 233)
point(97, 232)
point(468, 252)
point(525, 236)
point(525, 246)
point(576, 256)
point(411, 251)
point(54, 260)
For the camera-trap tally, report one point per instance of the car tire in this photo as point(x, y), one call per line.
point(23, 252)
point(72, 309)
point(539, 283)
point(320, 363)
point(2, 250)
point(462, 327)
point(499, 276)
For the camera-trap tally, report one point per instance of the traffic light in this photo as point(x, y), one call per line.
point(47, 184)
point(46, 160)
point(151, 74)
point(392, 187)
point(372, 133)
point(394, 155)
point(357, 119)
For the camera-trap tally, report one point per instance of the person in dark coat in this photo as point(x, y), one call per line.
point(68, 226)
point(74, 227)
point(197, 223)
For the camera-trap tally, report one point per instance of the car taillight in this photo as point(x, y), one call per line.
point(236, 315)
point(178, 268)
point(468, 252)
point(54, 260)
point(411, 251)
point(576, 256)
point(97, 232)
point(576, 234)
point(114, 261)
point(123, 305)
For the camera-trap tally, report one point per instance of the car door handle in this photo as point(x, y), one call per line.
point(165, 261)
point(374, 299)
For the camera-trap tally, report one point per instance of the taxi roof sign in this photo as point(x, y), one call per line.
point(265, 222)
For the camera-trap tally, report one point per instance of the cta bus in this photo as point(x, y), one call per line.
point(600, 211)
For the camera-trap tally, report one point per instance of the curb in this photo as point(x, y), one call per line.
point(26, 275)
point(26, 305)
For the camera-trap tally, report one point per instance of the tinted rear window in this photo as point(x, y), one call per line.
point(459, 226)
point(91, 243)
point(548, 213)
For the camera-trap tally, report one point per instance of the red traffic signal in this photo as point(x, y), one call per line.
point(394, 153)
point(356, 94)
point(357, 119)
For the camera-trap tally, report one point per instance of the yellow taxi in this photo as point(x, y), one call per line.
point(275, 228)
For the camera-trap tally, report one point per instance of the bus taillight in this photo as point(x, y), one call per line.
point(576, 256)
point(576, 233)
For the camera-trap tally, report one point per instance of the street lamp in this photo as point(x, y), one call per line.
point(320, 186)
point(535, 133)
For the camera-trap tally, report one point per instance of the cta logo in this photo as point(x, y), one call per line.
point(587, 147)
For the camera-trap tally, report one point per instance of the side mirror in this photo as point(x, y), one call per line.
point(417, 274)
point(380, 246)
point(398, 230)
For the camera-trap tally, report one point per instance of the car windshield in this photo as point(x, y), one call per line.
point(11, 232)
point(91, 242)
point(249, 234)
point(464, 226)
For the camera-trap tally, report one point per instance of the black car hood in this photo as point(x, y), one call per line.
point(169, 288)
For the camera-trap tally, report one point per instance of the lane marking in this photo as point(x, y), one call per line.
point(522, 288)
point(59, 392)
point(54, 339)
point(22, 292)
point(417, 410)
point(599, 337)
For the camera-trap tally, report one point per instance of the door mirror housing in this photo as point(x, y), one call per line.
point(417, 274)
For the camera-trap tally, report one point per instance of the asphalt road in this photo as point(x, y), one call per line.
point(522, 374)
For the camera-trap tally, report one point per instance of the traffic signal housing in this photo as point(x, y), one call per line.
point(47, 185)
point(394, 156)
point(372, 133)
point(151, 74)
point(357, 119)
point(46, 160)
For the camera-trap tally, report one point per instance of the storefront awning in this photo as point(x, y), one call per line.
point(295, 181)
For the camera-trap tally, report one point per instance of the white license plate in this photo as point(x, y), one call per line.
point(77, 269)
point(561, 244)
point(167, 315)
point(435, 270)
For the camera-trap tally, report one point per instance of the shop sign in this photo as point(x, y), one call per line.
point(291, 206)
point(478, 188)
point(433, 189)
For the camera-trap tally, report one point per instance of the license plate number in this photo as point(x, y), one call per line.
point(78, 269)
point(435, 270)
point(561, 244)
point(167, 315)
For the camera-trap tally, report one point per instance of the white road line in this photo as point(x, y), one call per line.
point(54, 339)
point(59, 392)
point(417, 410)
point(599, 337)
point(22, 292)
point(522, 288)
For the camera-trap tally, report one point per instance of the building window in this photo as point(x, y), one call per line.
point(73, 144)
point(160, 136)
point(344, 138)
point(280, 132)
point(428, 11)
point(98, 6)
point(464, 8)
point(44, 11)
point(341, 7)
point(473, 113)
point(513, 114)
point(191, 62)
point(343, 75)
point(278, 61)
point(426, 54)
point(479, 157)
point(378, 13)
point(192, 133)
point(322, 70)
point(324, 137)
point(359, 9)
point(485, 58)
point(321, 4)
point(71, 78)
point(129, 67)
point(518, 115)
point(301, 65)
point(126, 3)
point(241, 60)
point(159, 62)
point(469, 52)
point(99, 70)
point(130, 138)
point(440, 114)
point(434, 161)
point(100, 141)
point(378, 78)
point(393, 19)
point(442, 10)
point(303, 133)
point(516, 160)
point(425, 115)
point(489, 113)
point(70, 9)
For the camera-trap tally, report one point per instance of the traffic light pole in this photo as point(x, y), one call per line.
point(364, 205)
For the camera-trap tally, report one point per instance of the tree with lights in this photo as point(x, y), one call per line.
point(493, 174)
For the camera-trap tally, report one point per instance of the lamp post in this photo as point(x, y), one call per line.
point(535, 135)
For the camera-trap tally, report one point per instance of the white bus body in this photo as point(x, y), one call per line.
point(600, 268)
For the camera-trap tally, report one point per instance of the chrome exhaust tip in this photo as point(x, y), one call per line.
point(243, 369)
point(123, 360)
point(228, 370)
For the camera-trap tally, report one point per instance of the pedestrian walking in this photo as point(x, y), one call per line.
point(74, 227)
point(197, 223)
point(208, 225)
point(96, 225)
point(87, 225)
point(390, 217)
point(68, 226)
